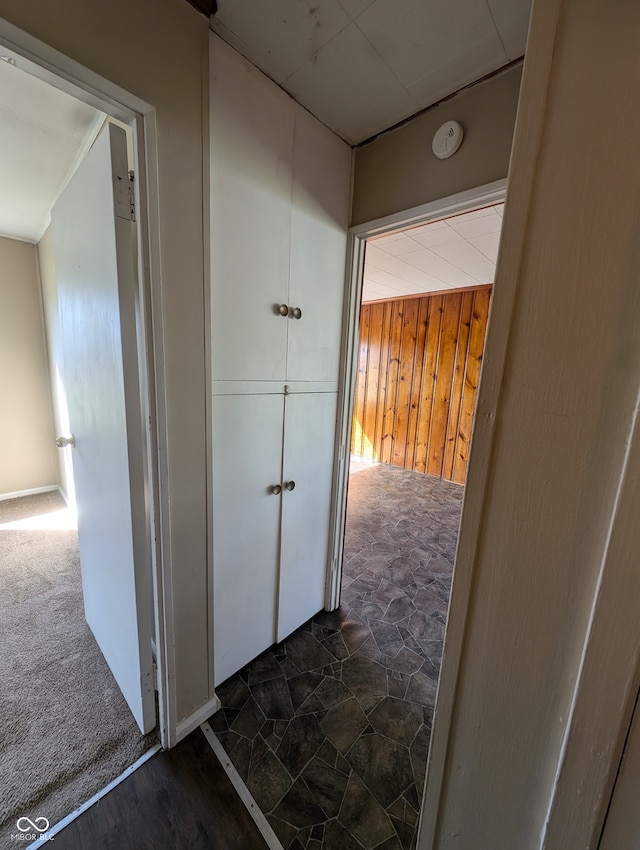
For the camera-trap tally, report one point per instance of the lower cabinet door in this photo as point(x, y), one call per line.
point(309, 440)
point(247, 462)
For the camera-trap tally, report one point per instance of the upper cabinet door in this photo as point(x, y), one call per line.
point(251, 179)
point(319, 221)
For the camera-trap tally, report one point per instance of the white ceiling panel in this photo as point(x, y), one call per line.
point(512, 21)
point(43, 132)
point(349, 71)
point(449, 254)
point(276, 52)
point(361, 66)
point(430, 33)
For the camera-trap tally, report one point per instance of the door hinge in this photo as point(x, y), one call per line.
point(132, 195)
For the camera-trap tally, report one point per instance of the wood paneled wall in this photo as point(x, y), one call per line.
point(418, 369)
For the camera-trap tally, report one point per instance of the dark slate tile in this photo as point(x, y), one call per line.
point(397, 685)
point(336, 837)
point(241, 757)
point(218, 722)
point(306, 652)
point(384, 766)
point(387, 636)
point(343, 765)
point(302, 686)
point(363, 815)
point(406, 661)
point(317, 832)
point(268, 782)
point(228, 740)
point(411, 796)
point(233, 693)
point(311, 705)
point(331, 692)
point(397, 719)
point(263, 668)
point(344, 723)
point(327, 784)
point(424, 627)
point(404, 831)
point(431, 668)
point(284, 831)
point(258, 748)
point(398, 808)
point(250, 719)
point(369, 649)
point(299, 807)
point(427, 600)
point(421, 689)
point(398, 609)
point(364, 677)
point(274, 698)
point(300, 743)
point(354, 633)
point(419, 751)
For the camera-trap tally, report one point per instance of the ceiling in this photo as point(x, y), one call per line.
point(43, 135)
point(448, 254)
point(361, 66)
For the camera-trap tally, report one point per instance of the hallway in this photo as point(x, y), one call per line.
point(330, 729)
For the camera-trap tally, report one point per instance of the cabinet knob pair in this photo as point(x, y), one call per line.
point(276, 489)
point(294, 312)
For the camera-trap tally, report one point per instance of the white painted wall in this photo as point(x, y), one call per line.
point(541, 656)
point(46, 262)
point(27, 459)
point(158, 52)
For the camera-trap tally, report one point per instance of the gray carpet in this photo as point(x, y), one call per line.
point(65, 729)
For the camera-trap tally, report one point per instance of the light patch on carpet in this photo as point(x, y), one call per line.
point(62, 520)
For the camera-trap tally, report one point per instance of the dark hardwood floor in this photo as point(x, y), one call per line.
point(179, 798)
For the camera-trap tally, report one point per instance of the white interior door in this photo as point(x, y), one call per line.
point(247, 463)
point(310, 421)
point(95, 247)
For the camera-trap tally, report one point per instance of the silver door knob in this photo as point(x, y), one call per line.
point(282, 310)
point(295, 312)
point(61, 442)
point(276, 489)
point(289, 485)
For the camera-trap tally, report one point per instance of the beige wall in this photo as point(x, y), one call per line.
point(27, 459)
point(399, 171)
point(46, 263)
point(158, 52)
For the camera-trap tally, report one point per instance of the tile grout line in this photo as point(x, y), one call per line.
point(250, 804)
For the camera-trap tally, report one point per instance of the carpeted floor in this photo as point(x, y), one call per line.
point(330, 729)
point(65, 730)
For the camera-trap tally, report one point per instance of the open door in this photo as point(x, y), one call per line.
point(95, 255)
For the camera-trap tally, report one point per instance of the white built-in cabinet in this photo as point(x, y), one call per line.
point(280, 186)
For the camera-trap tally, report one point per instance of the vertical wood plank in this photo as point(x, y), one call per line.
point(453, 423)
point(414, 413)
point(406, 369)
point(382, 387)
point(472, 376)
point(360, 391)
point(429, 367)
point(391, 394)
point(372, 382)
point(442, 397)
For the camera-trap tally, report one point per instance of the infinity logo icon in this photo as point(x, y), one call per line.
point(40, 824)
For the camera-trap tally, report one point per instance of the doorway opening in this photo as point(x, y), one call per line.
point(68, 730)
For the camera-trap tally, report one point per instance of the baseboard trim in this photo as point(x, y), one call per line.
point(58, 827)
point(245, 795)
point(186, 726)
point(17, 494)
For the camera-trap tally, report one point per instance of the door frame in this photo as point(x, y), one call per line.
point(489, 193)
point(53, 67)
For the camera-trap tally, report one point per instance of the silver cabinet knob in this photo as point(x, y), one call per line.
point(282, 310)
point(61, 442)
point(289, 485)
point(275, 489)
point(295, 312)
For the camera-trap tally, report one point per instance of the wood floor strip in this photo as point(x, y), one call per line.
point(245, 795)
point(56, 828)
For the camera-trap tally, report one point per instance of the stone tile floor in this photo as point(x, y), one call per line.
point(330, 728)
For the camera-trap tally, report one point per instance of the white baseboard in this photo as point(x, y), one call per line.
point(245, 795)
point(17, 494)
point(186, 726)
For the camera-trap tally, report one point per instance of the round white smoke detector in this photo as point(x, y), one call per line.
point(447, 139)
